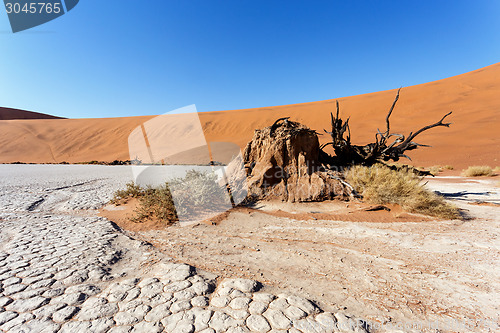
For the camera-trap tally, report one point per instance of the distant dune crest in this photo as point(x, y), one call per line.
point(11, 114)
point(473, 138)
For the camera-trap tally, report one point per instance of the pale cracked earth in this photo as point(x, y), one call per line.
point(63, 269)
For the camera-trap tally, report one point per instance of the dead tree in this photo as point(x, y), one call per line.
point(387, 146)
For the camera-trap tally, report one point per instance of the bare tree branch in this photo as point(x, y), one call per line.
point(390, 112)
point(425, 128)
point(381, 149)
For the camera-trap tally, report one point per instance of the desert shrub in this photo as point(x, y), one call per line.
point(156, 203)
point(435, 169)
point(440, 168)
point(381, 185)
point(477, 171)
point(198, 191)
point(497, 169)
point(131, 191)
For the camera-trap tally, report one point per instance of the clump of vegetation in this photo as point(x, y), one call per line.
point(131, 191)
point(434, 170)
point(477, 171)
point(497, 169)
point(380, 185)
point(115, 162)
point(156, 203)
point(196, 192)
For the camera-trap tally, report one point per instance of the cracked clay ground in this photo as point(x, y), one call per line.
point(64, 269)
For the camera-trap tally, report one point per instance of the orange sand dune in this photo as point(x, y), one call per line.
point(10, 113)
point(473, 138)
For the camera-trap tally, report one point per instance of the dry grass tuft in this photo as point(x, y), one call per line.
point(435, 169)
point(439, 168)
point(497, 169)
point(197, 191)
point(381, 185)
point(154, 203)
point(131, 191)
point(477, 171)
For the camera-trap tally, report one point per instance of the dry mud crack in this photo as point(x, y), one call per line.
point(63, 269)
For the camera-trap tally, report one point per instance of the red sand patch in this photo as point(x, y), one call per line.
point(352, 212)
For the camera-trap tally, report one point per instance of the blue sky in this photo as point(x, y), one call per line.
point(112, 58)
